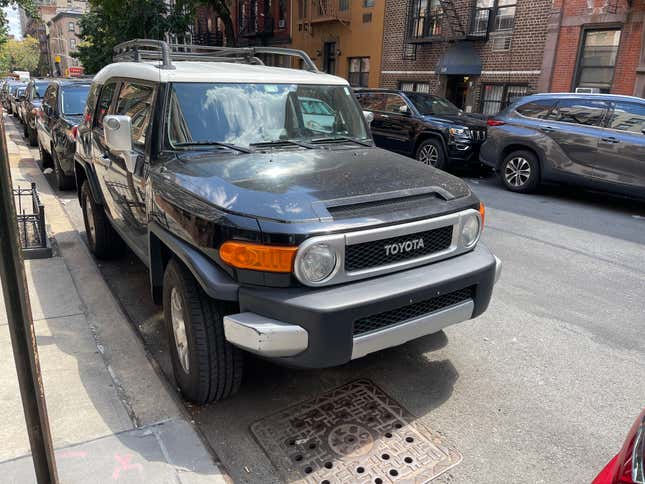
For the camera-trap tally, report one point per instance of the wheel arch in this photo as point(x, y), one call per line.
point(426, 135)
point(83, 172)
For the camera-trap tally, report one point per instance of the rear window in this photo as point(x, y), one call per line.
point(538, 108)
point(39, 89)
point(73, 99)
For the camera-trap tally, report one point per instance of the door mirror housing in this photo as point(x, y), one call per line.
point(404, 110)
point(369, 117)
point(118, 138)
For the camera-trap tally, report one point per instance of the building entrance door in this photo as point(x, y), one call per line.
point(329, 58)
point(457, 90)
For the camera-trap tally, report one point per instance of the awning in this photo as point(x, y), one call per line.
point(461, 59)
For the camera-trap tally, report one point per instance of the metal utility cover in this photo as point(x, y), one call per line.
point(355, 433)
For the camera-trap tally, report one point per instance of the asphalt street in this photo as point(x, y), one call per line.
point(541, 388)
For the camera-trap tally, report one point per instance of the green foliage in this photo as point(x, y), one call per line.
point(19, 55)
point(112, 21)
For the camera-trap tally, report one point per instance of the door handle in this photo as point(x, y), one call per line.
point(547, 129)
point(610, 139)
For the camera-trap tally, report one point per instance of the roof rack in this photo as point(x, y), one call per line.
point(138, 50)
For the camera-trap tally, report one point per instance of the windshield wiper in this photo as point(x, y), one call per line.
point(336, 139)
point(281, 142)
point(230, 146)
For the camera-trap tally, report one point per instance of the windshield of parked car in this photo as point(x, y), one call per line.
point(429, 105)
point(39, 89)
point(248, 114)
point(73, 98)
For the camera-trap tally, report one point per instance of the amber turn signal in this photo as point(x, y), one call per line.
point(256, 257)
point(482, 212)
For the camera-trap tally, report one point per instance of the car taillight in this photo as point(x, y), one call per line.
point(628, 466)
point(74, 132)
point(495, 122)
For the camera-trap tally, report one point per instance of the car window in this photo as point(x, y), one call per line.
point(135, 100)
point(90, 104)
point(49, 97)
point(394, 103)
point(579, 111)
point(628, 116)
point(105, 99)
point(72, 99)
point(372, 101)
point(538, 108)
point(428, 105)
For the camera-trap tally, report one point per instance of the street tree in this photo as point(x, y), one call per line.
point(19, 55)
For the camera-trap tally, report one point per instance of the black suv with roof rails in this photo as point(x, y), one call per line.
point(423, 126)
point(268, 220)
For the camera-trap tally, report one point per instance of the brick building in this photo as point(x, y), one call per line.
point(598, 45)
point(480, 54)
point(63, 41)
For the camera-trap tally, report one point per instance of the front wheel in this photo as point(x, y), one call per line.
point(431, 153)
point(45, 158)
point(520, 172)
point(63, 181)
point(207, 368)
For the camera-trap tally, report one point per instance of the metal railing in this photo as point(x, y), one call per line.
point(30, 217)
point(329, 10)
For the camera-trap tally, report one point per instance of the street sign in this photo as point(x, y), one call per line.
point(75, 71)
point(57, 59)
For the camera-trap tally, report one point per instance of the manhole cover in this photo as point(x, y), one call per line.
point(355, 433)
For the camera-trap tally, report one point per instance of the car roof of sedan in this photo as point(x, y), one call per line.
point(225, 72)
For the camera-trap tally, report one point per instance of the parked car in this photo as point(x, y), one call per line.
point(307, 246)
point(593, 140)
point(5, 92)
point(628, 466)
point(62, 109)
point(426, 127)
point(16, 95)
point(30, 108)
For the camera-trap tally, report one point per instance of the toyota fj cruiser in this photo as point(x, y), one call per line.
point(268, 220)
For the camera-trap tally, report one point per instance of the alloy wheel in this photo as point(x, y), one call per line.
point(517, 171)
point(89, 217)
point(179, 328)
point(429, 154)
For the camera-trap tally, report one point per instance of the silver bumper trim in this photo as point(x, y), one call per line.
point(265, 336)
point(415, 328)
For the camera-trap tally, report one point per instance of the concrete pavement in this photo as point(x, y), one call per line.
point(112, 417)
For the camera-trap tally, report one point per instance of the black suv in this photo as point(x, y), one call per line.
point(594, 140)
point(268, 220)
point(31, 108)
point(61, 112)
point(426, 127)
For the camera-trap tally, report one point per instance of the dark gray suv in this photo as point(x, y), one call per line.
point(594, 140)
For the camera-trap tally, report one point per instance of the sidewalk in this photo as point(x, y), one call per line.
point(113, 418)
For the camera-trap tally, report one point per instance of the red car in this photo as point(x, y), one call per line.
point(628, 466)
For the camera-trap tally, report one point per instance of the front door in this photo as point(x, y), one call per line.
point(457, 90)
point(329, 58)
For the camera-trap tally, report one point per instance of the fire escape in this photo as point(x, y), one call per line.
point(256, 22)
point(438, 21)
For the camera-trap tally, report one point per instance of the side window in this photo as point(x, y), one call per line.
point(395, 104)
point(539, 108)
point(135, 100)
point(90, 105)
point(370, 101)
point(579, 111)
point(628, 117)
point(105, 99)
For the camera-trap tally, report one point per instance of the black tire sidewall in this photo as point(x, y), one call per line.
point(87, 203)
point(441, 162)
point(534, 178)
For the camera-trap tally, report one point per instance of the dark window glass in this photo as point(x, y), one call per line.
point(579, 111)
point(39, 89)
point(494, 16)
point(536, 109)
point(135, 100)
point(105, 99)
point(598, 59)
point(426, 19)
point(359, 71)
point(497, 97)
point(395, 104)
point(628, 117)
point(370, 101)
point(432, 105)
point(72, 99)
point(90, 104)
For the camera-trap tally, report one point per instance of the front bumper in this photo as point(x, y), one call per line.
point(463, 151)
point(314, 328)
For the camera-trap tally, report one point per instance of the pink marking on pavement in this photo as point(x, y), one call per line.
point(125, 465)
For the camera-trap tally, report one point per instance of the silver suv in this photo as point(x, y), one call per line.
point(594, 140)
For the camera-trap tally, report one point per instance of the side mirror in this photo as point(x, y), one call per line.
point(369, 117)
point(118, 138)
point(404, 110)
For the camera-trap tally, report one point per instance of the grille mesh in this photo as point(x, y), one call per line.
point(373, 254)
point(400, 315)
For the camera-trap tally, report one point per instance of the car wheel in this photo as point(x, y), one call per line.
point(207, 368)
point(520, 172)
point(63, 181)
point(431, 153)
point(32, 136)
point(45, 158)
point(102, 239)
point(25, 132)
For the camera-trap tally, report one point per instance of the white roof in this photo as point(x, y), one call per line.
point(195, 71)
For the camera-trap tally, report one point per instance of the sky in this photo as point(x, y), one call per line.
point(14, 21)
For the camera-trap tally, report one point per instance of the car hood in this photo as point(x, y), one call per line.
point(300, 185)
point(458, 120)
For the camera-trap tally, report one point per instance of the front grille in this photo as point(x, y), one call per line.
point(413, 311)
point(374, 254)
point(478, 135)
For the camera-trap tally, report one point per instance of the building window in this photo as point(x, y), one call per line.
point(71, 27)
point(414, 86)
point(410, 52)
point(343, 5)
point(497, 97)
point(598, 59)
point(425, 18)
point(368, 3)
point(72, 44)
point(367, 18)
point(493, 16)
point(359, 71)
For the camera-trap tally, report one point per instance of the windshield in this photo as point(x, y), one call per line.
point(248, 114)
point(73, 99)
point(428, 105)
point(39, 89)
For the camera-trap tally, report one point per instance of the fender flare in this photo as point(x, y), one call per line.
point(213, 280)
point(91, 177)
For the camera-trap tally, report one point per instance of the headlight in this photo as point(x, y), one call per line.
point(316, 263)
point(470, 229)
point(458, 131)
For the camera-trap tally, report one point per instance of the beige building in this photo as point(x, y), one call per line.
point(63, 41)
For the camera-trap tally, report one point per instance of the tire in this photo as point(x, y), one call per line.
point(102, 239)
point(431, 153)
point(63, 182)
point(32, 136)
point(211, 368)
point(25, 131)
point(520, 172)
point(45, 158)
